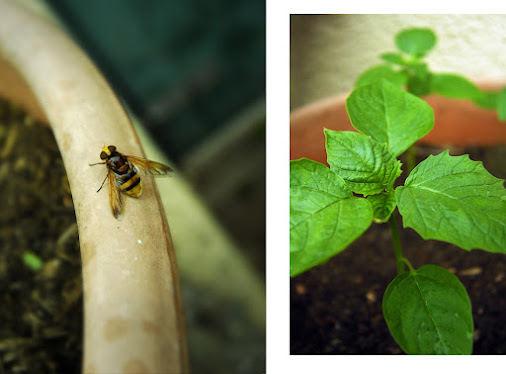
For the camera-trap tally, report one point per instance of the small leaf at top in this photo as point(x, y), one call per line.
point(454, 86)
point(393, 57)
point(383, 204)
point(416, 41)
point(501, 105)
point(389, 115)
point(366, 165)
point(454, 199)
point(428, 311)
point(325, 217)
point(386, 72)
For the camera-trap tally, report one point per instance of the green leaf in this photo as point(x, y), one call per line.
point(419, 69)
point(419, 79)
point(325, 217)
point(383, 204)
point(428, 311)
point(454, 86)
point(32, 260)
point(418, 86)
point(487, 100)
point(389, 115)
point(416, 41)
point(454, 199)
point(366, 165)
point(501, 105)
point(386, 72)
point(393, 57)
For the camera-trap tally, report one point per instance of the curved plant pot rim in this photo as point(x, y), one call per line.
point(457, 122)
point(133, 316)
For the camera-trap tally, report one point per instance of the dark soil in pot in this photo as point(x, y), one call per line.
point(41, 304)
point(336, 307)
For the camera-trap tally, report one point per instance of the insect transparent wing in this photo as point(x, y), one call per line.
point(150, 168)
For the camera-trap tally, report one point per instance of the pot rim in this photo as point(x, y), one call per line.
point(455, 123)
point(133, 314)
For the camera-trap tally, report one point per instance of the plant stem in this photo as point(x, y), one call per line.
point(408, 264)
point(397, 244)
point(411, 155)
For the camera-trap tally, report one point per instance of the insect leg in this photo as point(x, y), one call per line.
point(102, 185)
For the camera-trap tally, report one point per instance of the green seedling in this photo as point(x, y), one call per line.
point(448, 198)
point(406, 68)
point(33, 261)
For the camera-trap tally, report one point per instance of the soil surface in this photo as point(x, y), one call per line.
point(40, 264)
point(336, 307)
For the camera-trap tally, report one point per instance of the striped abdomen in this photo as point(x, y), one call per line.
point(127, 177)
point(130, 183)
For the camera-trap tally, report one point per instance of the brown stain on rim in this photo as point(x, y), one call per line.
point(88, 252)
point(134, 366)
point(115, 328)
point(150, 327)
point(66, 141)
point(89, 368)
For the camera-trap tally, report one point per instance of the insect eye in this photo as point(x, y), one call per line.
point(111, 148)
point(103, 155)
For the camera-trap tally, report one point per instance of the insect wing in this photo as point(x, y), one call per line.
point(150, 168)
point(114, 194)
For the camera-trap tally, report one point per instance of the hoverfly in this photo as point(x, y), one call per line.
point(124, 175)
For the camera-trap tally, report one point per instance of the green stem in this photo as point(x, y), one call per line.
point(411, 158)
point(406, 261)
point(397, 244)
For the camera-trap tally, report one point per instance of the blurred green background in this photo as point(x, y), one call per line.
point(184, 67)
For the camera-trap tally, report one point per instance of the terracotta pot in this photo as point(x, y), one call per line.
point(132, 303)
point(457, 123)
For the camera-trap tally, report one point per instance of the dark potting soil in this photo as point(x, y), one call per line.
point(336, 307)
point(40, 304)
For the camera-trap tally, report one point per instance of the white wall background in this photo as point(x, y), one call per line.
point(328, 52)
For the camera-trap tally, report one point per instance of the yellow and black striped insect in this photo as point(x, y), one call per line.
point(124, 175)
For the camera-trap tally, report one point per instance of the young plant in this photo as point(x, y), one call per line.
point(406, 68)
point(449, 198)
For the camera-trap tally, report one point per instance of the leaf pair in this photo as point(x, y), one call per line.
point(325, 216)
point(449, 198)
